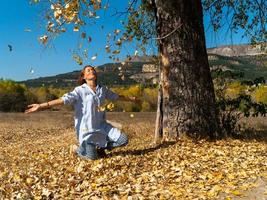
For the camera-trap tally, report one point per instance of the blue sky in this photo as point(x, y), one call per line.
point(27, 53)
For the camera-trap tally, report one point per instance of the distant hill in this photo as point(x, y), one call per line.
point(239, 50)
point(247, 61)
point(108, 74)
point(251, 67)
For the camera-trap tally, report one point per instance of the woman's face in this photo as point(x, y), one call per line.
point(89, 73)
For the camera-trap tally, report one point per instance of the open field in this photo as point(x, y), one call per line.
point(36, 163)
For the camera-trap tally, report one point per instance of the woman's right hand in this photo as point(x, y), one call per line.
point(33, 108)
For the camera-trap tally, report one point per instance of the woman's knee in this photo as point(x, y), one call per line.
point(123, 140)
point(88, 151)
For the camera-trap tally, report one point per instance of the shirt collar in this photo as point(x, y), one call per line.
point(90, 89)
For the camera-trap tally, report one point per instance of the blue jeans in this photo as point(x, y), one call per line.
point(89, 150)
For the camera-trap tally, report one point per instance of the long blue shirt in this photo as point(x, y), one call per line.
point(90, 122)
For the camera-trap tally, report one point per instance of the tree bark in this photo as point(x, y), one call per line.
point(188, 100)
point(159, 125)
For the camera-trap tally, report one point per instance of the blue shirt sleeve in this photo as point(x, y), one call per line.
point(111, 95)
point(71, 97)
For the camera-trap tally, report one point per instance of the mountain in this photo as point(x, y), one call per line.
point(247, 60)
point(239, 50)
point(108, 74)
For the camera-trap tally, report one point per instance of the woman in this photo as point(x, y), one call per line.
point(93, 132)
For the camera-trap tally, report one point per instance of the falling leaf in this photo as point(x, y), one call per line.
point(107, 47)
point(94, 57)
point(83, 35)
point(80, 45)
point(106, 7)
point(67, 5)
point(27, 30)
point(76, 29)
point(110, 106)
point(97, 17)
point(77, 58)
point(132, 115)
point(35, 1)
point(85, 53)
point(10, 47)
point(136, 53)
point(116, 51)
point(91, 14)
point(43, 39)
point(117, 31)
point(89, 39)
point(118, 42)
point(31, 70)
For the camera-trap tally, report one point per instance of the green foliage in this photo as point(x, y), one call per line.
point(134, 90)
point(231, 110)
point(146, 106)
point(43, 94)
point(247, 15)
point(260, 94)
point(150, 96)
point(142, 22)
point(260, 80)
point(14, 97)
point(235, 89)
point(232, 107)
point(146, 95)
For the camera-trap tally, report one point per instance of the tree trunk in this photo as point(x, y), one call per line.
point(188, 100)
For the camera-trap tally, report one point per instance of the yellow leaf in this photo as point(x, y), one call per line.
point(231, 176)
point(29, 181)
point(116, 31)
point(236, 193)
point(76, 29)
point(43, 39)
point(214, 191)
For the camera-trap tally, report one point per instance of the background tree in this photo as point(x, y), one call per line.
point(14, 97)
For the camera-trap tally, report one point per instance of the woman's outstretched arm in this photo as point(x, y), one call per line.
point(49, 104)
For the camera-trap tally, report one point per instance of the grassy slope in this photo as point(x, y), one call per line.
point(252, 66)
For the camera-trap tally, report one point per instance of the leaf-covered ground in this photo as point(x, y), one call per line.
point(36, 162)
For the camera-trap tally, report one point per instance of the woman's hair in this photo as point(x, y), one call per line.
point(81, 80)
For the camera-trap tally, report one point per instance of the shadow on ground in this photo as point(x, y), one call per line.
point(138, 152)
point(252, 134)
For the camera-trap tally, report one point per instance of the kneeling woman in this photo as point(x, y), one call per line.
point(93, 132)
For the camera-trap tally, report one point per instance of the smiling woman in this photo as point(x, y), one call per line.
point(93, 132)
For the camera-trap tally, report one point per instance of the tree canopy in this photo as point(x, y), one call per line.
point(248, 15)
